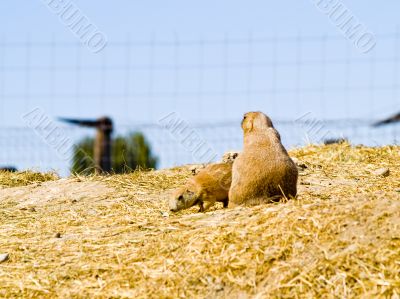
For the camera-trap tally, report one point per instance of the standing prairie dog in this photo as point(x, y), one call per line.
point(210, 185)
point(263, 172)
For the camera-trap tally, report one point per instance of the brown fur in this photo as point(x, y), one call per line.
point(263, 172)
point(210, 185)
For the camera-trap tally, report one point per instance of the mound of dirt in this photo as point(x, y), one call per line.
point(113, 236)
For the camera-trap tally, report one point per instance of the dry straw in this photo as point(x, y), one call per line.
point(339, 239)
point(11, 179)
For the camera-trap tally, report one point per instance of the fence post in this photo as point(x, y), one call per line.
point(102, 142)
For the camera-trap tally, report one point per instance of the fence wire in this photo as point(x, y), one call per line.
point(313, 87)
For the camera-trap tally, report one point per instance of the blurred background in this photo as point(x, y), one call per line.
point(205, 63)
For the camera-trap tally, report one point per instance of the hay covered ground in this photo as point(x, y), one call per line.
point(113, 237)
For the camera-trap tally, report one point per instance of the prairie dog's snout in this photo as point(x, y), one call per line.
point(173, 207)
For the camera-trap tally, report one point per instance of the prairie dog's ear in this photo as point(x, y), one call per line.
point(190, 193)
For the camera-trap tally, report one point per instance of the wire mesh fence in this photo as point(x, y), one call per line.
point(29, 149)
point(313, 87)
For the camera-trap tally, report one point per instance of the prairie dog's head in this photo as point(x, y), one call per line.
point(182, 199)
point(229, 157)
point(256, 121)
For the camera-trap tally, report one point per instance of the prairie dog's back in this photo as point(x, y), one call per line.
point(264, 169)
point(214, 179)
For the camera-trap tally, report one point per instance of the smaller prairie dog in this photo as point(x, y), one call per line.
point(210, 185)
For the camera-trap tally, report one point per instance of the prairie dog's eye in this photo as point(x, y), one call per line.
point(180, 197)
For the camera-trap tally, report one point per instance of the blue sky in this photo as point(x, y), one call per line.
point(189, 18)
point(209, 61)
point(32, 21)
